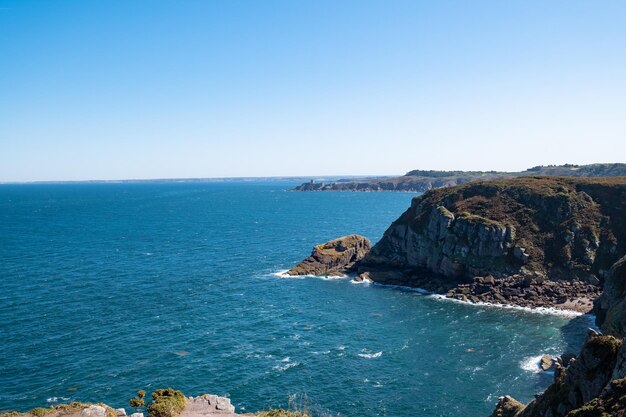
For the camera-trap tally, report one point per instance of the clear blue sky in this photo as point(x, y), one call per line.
point(154, 89)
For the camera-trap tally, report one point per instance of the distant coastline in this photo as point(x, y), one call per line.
point(424, 180)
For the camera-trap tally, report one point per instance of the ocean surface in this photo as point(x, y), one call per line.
point(111, 288)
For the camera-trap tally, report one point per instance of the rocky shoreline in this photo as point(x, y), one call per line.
point(529, 292)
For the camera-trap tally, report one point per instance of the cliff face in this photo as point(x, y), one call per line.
point(610, 308)
point(567, 228)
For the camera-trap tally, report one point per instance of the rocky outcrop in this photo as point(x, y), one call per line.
point(94, 411)
point(541, 241)
point(208, 405)
point(547, 363)
point(507, 407)
point(333, 258)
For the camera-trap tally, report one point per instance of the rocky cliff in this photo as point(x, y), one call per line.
point(527, 241)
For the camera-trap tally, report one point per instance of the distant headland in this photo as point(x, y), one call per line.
point(424, 180)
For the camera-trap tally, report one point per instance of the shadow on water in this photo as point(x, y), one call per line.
point(575, 331)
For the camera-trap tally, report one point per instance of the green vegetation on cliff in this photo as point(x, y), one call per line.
point(166, 403)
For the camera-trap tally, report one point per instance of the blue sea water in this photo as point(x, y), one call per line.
point(111, 288)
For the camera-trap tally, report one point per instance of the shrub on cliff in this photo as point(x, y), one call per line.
point(166, 403)
point(138, 400)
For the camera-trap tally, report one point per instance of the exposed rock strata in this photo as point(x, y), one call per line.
point(333, 258)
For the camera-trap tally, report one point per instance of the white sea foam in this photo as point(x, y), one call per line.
point(365, 282)
point(283, 274)
point(56, 399)
point(371, 355)
point(537, 310)
point(531, 364)
point(286, 364)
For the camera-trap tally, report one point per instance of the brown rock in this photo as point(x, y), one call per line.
point(546, 362)
point(507, 407)
point(333, 258)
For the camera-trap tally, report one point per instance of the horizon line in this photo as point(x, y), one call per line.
point(200, 179)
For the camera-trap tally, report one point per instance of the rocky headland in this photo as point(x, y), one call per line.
point(531, 242)
point(534, 242)
point(424, 180)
